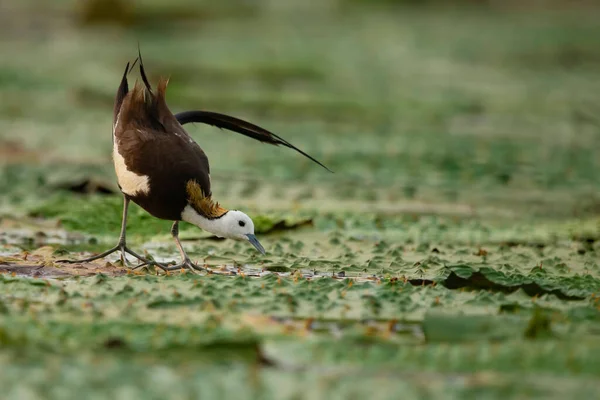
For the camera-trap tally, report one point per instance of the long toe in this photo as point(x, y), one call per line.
point(187, 264)
point(93, 258)
point(67, 261)
point(119, 247)
point(152, 263)
point(193, 266)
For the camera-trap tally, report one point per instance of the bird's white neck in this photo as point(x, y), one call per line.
point(216, 226)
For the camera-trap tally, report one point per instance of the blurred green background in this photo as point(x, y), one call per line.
point(465, 140)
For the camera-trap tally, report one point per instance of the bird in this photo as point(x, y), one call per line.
point(161, 168)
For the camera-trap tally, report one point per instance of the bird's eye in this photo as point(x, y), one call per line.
point(242, 223)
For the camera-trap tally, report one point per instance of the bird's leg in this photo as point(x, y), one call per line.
point(121, 245)
point(186, 261)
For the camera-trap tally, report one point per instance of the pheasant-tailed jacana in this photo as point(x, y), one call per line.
point(163, 170)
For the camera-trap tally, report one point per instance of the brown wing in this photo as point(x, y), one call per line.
point(171, 162)
point(152, 153)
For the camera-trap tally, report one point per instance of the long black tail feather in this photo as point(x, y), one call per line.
point(240, 126)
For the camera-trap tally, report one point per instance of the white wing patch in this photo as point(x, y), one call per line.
point(130, 182)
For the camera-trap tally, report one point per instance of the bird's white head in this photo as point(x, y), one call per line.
point(233, 224)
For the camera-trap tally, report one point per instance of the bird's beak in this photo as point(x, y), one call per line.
point(252, 239)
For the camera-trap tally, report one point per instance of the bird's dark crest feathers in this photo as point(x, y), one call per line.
point(143, 72)
point(123, 89)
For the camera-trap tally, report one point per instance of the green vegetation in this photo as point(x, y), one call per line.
point(452, 254)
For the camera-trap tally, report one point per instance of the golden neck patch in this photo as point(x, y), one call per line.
point(204, 205)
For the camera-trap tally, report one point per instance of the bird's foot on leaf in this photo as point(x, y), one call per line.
point(124, 250)
point(187, 263)
point(145, 262)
